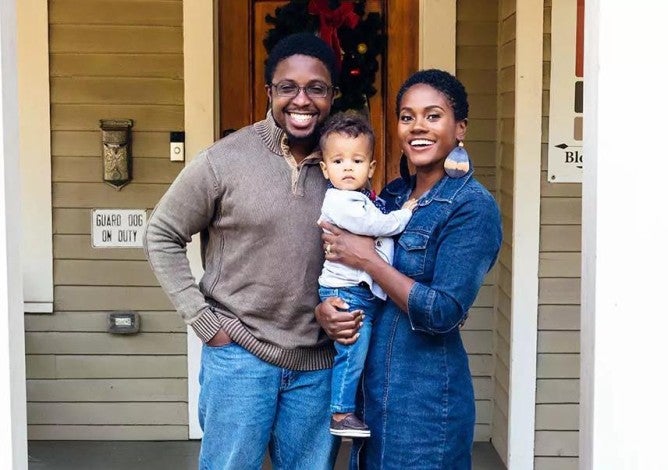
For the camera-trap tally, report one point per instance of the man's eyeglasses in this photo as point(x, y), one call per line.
point(289, 89)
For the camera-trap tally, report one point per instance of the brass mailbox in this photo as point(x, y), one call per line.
point(116, 151)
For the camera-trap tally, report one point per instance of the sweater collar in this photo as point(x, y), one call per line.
point(276, 140)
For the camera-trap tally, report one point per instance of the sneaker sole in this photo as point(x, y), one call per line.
point(349, 432)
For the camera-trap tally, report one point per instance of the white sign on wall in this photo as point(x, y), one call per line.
point(565, 158)
point(118, 228)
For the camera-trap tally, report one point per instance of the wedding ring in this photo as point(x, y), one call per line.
point(328, 249)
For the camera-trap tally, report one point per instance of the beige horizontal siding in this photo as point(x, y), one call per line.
point(103, 273)
point(471, 11)
point(476, 69)
point(558, 391)
point(481, 365)
point(86, 298)
point(108, 413)
point(91, 390)
point(70, 366)
point(108, 59)
point(558, 361)
point(119, 90)
point(79, 247)
point(86, 117)
point(119, 12)
point(559, 317)
point(476, 33)
point(72, 221)
point(89, 169)
point(79, 343)
point(482, 107)
point(114, 39)
point(556, 463)
point(556, 443)
point(505, 114)
point(484, 129)
point(557, 416)
point(118, 65)
point(559, 291)
point(87, 144)
point(100, 195)
point(563, 238)
point(560, 211)
point(477, 342)
point(151, 322)
point(558, 341)
point(558, 264)
point(553, 366)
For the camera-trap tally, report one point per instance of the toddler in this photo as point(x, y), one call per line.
point(347, 144)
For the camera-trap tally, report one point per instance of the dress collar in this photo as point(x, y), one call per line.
point(445, 190)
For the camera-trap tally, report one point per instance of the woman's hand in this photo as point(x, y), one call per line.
point(344, 247)
point(338, 323)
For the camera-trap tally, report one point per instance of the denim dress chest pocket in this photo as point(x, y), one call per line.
point(411, 257)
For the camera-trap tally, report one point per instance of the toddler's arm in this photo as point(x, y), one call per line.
point(354, 212)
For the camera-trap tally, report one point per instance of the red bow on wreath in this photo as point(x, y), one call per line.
point(331, 21)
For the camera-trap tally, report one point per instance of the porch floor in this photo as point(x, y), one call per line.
point(161, 455)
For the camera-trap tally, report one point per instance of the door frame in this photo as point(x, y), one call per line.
point(402, 20)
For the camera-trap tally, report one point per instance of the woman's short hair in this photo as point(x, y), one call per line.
point(301, 44)
point(442, 81)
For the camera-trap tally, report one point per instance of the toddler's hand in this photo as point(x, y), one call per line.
point(410, 204)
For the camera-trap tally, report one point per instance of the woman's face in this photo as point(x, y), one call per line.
point(427, 128)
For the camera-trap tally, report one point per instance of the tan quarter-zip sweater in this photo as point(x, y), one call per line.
point(256, 210)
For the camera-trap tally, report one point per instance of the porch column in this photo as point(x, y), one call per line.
point(623, 409)
point(525, 233)
point(13, 435)
point(199, 66)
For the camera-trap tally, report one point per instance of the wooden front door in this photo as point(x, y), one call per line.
point(243, 99)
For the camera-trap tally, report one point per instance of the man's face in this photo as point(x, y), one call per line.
point(299, 116)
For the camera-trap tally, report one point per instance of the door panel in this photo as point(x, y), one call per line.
point(243, 98)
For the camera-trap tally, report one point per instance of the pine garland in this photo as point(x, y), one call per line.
point(361, 47)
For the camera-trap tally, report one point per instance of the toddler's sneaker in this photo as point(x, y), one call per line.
point(350, 426)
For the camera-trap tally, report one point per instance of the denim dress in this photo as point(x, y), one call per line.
point(417, 394)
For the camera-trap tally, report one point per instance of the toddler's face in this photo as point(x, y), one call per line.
point(347, 161)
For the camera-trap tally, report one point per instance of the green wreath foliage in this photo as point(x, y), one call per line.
point(361, 48)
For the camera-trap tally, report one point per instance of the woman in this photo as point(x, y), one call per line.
point(418, 393)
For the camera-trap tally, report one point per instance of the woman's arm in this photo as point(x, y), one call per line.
point(467, 248)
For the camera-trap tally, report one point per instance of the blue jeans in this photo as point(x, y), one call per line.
point(247, 405)
point(349, 360)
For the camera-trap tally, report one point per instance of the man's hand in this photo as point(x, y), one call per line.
point(220, 339)
point(338, 323)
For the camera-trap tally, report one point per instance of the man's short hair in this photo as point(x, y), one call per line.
point(349, 123)
point(300, 44)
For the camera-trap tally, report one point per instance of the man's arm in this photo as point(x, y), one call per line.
point(186, 209)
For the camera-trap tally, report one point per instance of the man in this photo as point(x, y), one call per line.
point(255, 197)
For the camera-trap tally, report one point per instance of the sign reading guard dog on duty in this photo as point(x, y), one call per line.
point(118, 228)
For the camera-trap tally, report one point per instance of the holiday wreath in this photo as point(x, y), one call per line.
point(355, 37)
